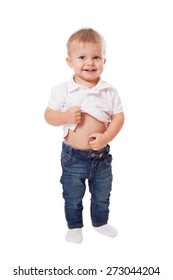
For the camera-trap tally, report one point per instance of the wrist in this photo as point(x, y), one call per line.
point(106, 137)
point(66, 117)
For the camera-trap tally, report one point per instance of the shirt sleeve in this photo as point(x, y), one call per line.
point(117, 104)
point(57, 98)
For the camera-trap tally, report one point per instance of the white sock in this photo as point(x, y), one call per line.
point(107, 230)
point(74, 235)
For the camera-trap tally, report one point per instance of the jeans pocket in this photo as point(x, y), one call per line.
point(108, 160)
point(105, 163)
point(66, 158)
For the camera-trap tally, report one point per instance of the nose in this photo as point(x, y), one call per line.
point(90, 61)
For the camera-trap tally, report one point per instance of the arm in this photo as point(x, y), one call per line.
point(57, 118)
point(99, 140)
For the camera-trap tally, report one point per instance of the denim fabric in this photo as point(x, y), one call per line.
point(77, 167)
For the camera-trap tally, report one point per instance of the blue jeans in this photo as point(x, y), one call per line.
point(77, 167)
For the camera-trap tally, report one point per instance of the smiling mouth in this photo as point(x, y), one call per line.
point(89, 70)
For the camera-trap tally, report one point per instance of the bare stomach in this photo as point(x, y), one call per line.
point(80, 137)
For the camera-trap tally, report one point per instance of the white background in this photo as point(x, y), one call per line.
point(140, 65)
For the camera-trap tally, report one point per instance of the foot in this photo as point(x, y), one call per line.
point(74, 235)
point(107, 230)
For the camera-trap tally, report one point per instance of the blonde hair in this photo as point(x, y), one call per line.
point(86, 35)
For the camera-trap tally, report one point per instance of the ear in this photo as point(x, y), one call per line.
point(69, 62)
point(104, 61)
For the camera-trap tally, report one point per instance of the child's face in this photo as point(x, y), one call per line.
point(87, 61)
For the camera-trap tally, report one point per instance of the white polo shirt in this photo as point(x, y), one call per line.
point(100, 101)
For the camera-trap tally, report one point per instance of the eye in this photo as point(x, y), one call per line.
point(97, 57)
point(82, 57)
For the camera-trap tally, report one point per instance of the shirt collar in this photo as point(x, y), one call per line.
point(72, 86)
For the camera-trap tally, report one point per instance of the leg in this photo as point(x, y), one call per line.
point(73, 193)
point(100, 186)
point(73, 182)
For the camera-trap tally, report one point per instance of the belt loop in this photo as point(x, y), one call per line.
point(107, 148)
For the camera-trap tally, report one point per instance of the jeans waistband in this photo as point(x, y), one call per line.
point(86, 153)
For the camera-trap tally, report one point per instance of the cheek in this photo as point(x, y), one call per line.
point(78, 65)
point(100, 67)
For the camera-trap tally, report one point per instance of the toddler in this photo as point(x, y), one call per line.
point(91, 113)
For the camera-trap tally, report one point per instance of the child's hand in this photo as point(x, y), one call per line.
point(97, 141)
point(73, 115)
